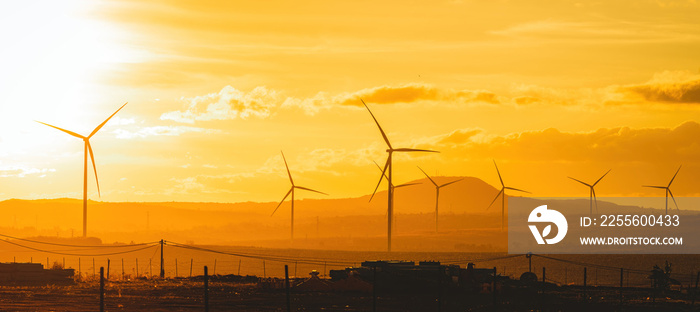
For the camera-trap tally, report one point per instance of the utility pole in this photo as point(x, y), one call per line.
point(206, 289)
point(102, 289)
point(162, 270)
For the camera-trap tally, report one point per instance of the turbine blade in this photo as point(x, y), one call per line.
point(674, 199)
point(595, 199)
point(377, 122)
point(674, 176)
point(659, 187)
point(448, 183)
point(413, 150)
point(308, 189)
point(104, 122)
point(378, 166)
point(405, 184)
point(499, 173)
point(429, 178)
point(596, 182)
point(280, 204)
point(380, 179)
point(285, 165)
point(579, 181)
point(494, 199)
point(64, 130)
point(383, 174)
point(92, 157)
point(514, 189)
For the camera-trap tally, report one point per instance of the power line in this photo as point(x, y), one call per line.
point(278, 258)
point(605, 267)
point(69, 245)
point(254, 254)
point(264, 257)
point(456, 261)
point(79, 255)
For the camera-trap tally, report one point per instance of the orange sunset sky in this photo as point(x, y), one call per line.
point(548, 89)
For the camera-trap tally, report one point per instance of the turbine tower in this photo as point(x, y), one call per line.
point(88, 148)
point(503, 197)
point(437, 194)
point(388, 172)
point(592, 191)
point(291, 191)
point(668, 190)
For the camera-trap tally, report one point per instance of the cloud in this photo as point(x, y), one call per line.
point(120, 121)
point(160, 131)
point(389, 94)
point(229, 103)
point(187, 185)
point(597, 32)
point(194, 185)
point(459, 136)
point(23, 171)
point(408, 93)
point(668, 87)
point(671, 87)
point(525, 100)
point(620, 144)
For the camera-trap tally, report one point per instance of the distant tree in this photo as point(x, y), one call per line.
point(661, 278)
point(56, 266)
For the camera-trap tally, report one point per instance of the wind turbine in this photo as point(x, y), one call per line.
point(393, 187)
point(592, 192)
point(437, 194)
point(503, 198)
point(388, 167)
point(291, 191)
point(88, 148)
point(668, 190)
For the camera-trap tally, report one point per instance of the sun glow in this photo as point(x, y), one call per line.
point(52, 58)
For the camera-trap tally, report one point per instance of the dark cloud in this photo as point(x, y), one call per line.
point(389, 94)
point(416, 92)
point(606, 145)
point(667, 90)
point(459, 136)
point(476, 96)
point(525, 100)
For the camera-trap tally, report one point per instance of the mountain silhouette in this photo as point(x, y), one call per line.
point(462, 208)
